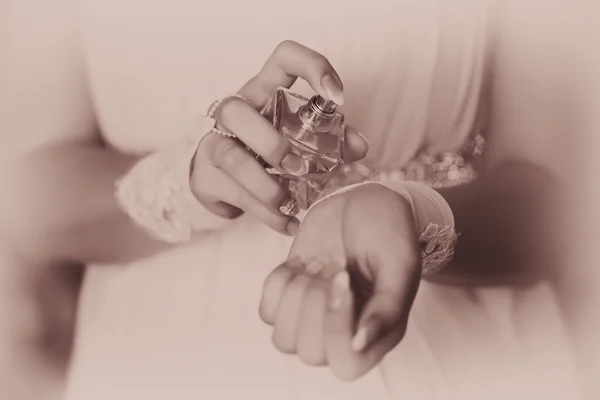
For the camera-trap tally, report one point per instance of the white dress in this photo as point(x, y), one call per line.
point(184, 324)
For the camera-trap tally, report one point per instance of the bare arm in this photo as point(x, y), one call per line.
point(65, 195)
point(58, 180)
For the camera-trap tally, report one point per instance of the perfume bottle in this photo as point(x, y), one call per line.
point(317, 131)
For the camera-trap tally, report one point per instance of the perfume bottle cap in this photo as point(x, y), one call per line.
point(326, 106)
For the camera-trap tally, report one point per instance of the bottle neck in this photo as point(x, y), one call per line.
point(317, 114)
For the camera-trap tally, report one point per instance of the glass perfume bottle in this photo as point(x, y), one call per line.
point(317, 130)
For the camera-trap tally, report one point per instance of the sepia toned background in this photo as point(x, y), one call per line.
point(38, 300)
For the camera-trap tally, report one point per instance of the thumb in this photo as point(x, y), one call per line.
point(385, 313)
point(339, 328)
point(356, 145)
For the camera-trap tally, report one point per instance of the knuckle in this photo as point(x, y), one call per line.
point(320, 62)
point(265, 314)
point(213, 146)
point(274, 196)
point(231, 158)
point(228, 155)
point(282, 344)
point(284, 46)
point(311, 357)
point(229, 110)
point(276, 281)
point(314, 58)
point(346, 372)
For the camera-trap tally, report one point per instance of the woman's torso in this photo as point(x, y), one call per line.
point(155, 67)
point(413, 71)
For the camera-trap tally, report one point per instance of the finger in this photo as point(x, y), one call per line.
point(238, 163)
point(339, 330)
point(356, 145)
point(396, 280)
point(394, 271)
point(339, 327)
point(258, 134)
point(310, 345)
point(206, 176)
point(287, 321)
point(212, 186)
point(273, 289)
point(289, 61)
point(222, 209)
point(383, 316)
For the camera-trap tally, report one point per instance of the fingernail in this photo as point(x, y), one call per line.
point(292, 227)
point(363, 137)
point(359, 342)
point(289, 207)
point(334, 90)
point(294, 164)
point(339, 287)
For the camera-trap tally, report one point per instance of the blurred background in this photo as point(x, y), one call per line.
point(37, 321)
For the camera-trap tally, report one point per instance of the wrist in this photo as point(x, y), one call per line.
point(426, 204)
point(433, 217)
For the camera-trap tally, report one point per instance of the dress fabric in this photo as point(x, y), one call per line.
point(184, 324)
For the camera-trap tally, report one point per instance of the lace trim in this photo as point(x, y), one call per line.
point(152, 194)
point(437, 247)
point(156, 193)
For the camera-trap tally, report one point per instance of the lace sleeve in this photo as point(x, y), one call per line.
point(156, 192)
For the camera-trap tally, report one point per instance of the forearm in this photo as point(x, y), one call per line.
point(62, 206)
point(506, 220)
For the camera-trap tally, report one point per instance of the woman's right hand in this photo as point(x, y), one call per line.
point(226, 178)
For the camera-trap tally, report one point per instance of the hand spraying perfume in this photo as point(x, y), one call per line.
point(317, 130)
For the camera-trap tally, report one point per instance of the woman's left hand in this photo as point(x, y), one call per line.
point(314, 301)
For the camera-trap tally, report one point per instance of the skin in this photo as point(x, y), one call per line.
point(512, 220)
point(81, 221)
point(534, 60)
